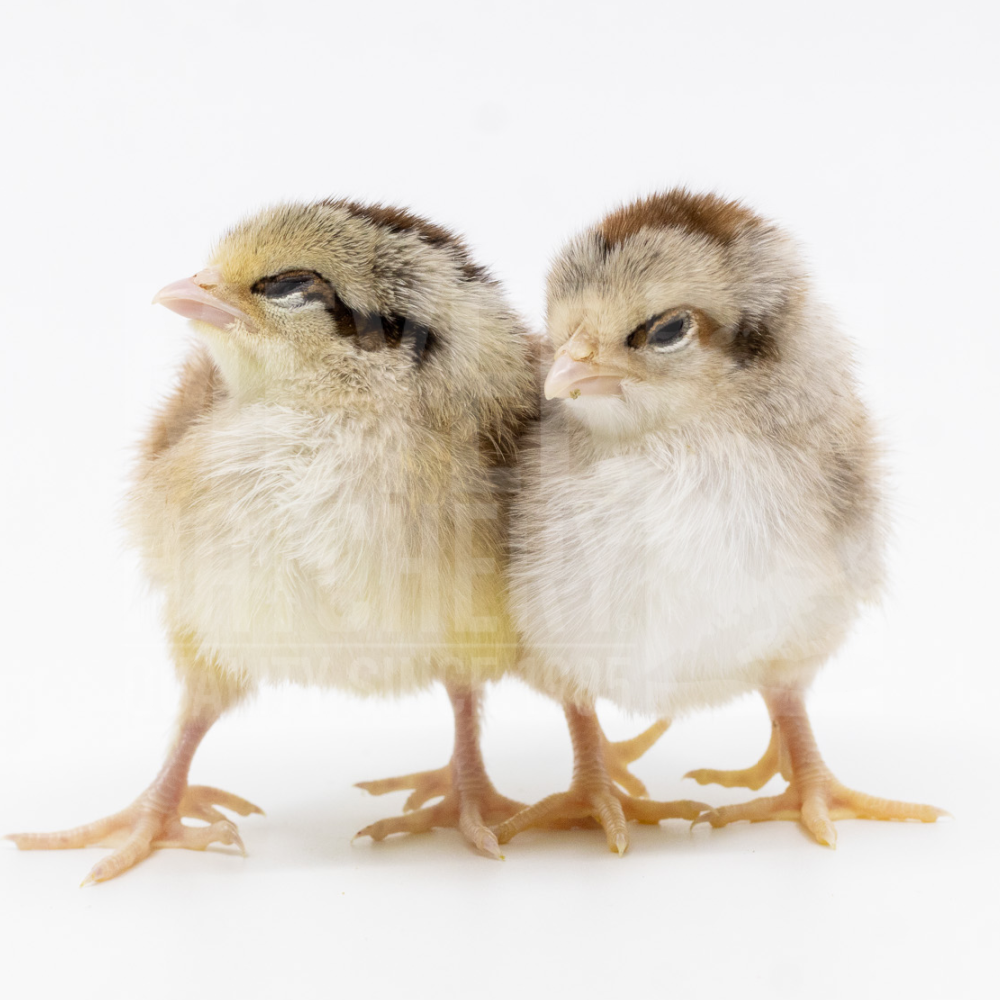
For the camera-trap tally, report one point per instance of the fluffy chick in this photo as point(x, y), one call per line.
point(702, 510)
point(320, 501)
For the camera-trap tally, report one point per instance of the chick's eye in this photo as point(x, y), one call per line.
point(670, 332)
point(280, 285)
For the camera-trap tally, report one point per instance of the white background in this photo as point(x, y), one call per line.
point(133, 135)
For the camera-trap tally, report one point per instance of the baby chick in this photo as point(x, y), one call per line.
point(319, 500)
point(702, 509)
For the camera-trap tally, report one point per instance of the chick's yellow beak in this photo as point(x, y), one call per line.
point(576, 372)
point(195, 298)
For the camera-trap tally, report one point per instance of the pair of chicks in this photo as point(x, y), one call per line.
point(355, 485)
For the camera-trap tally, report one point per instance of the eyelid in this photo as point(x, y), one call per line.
point(280, 285)
point(641, 335)
point(682, 314)
point(675, 330)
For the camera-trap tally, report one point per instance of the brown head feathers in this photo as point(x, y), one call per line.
point(699, 214)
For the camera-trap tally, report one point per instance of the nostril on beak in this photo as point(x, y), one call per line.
point(208, 278)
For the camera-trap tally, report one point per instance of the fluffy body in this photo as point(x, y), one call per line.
point(308, 547)
point(328, 511)
point(715, 528)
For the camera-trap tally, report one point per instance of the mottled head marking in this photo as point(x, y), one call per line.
point(398, 220)
point(700, 214)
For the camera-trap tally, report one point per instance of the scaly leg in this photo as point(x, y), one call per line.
point(592, 793)
point(814, 795)
point(469, 802)
point(426, 785)
point(154, 819)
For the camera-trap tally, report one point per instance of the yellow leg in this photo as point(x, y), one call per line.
point(154, 819)
point(469, 802)
point(814, 796)
point(592, 794)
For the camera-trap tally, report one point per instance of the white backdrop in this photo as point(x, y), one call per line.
point(134, 133)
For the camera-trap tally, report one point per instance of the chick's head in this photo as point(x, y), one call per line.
point(667, 308)
point(336, 304)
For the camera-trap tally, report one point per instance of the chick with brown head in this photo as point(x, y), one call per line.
point(702, 512)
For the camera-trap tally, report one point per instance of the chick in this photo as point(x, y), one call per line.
point(320, 501)
point(702, 510)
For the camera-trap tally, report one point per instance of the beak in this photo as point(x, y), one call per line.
point(193, 298)
point(569, 378)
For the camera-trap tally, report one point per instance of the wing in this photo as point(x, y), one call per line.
point(198, 389)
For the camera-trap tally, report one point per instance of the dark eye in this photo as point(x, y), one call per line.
point(669, 332)
point(280, 285)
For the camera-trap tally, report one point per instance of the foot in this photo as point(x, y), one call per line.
point(473, 809)
point(593, 798)
point(817, 803)
point(469, 802)
point(600, 801)
point(146, 824)
point(814, 796)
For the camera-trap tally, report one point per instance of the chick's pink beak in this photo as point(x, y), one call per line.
point(193, 298)
point(568, 379)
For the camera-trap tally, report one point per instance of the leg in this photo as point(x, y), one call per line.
point(468, 799)
point(592, 793)
point(426, 785)
point(154, 819)
point(814, 795)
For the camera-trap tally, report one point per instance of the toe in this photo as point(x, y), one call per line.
point(627, 781)
point(419, 821)
point(651, 812)
point(607, 809)
point(204, 795)
point(552, 808)
point(756, 811)
point(137, 847)
point(197, 838)
point(88, 835)
point(753, 778)
point(816, 819)
point(478, 834)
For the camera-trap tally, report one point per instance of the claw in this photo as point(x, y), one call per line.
point(486, 841)
point(705, 817)
point(228, 835)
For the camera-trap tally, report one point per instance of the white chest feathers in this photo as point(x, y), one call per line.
point(297, 547)
point(672, 577)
